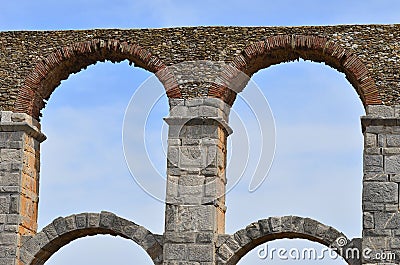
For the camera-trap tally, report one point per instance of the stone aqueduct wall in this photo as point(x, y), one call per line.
point(368, 54)
point(33, 63)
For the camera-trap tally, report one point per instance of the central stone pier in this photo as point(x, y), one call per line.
point(196, 179)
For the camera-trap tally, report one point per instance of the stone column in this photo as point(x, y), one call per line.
point(20, 137)
point(380, 200)
point(195, 197)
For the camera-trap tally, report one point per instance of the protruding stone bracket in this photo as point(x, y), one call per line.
point(182, 121)
point(21, 122)
point(367, 121)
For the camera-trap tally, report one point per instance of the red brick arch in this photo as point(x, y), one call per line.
point(57, 66)
point(284, 48)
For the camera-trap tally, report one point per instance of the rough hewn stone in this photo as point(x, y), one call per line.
point(32, 65)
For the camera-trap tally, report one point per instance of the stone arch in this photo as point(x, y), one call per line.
point(39, 248)
point(48, 73)
point(231, 248)
point(284, 48)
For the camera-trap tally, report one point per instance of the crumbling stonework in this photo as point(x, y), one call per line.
point(33, 63)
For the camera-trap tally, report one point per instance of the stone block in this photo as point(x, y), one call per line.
point(175, 251)
point(205, 237)
point(192, 157)
point(276, 224)
point(173, 155)
point(173, 237)
point(81, 221)
point(10, 155)
point(373, 151)
point(242, 238)
point(395, 178)
point(392, 207)
point(310, 226)
point(391, 151)
point(380, 111)
point(370, 140)
point(232, 244)
point(373, 169)
point(208, 111)
point(93, 219)
point(395, 243)
point(380, 192)
point(13, 219)
point(378, 243)
point(381, 140)
point(264, 226)
point(253, 231)
point(372, 206)
point(224, 253)
point(60, 225)
point(8, 238)
point(139, 234)
point(50, 232)
point(179, 111)
point(373, 160)
point(7, 252)
point(106, 219)
point(4, 204)
point(368, 220)
point(377, 232)
point(194, 102)
point(368, 176)
point(393, 140)
point(200, 253)
point(70, 224)
point(6, 116)
point(387, 220)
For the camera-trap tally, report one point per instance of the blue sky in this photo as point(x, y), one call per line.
point(317, 171)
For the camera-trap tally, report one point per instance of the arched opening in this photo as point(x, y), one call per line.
point(48, 72)
point(101, 250)
point(317, 170)
point(83, 165)
point(292, 251)
point(261, 233)
point(63, 230)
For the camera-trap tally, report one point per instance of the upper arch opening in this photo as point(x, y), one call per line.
point(284, 48)
point(57, 66)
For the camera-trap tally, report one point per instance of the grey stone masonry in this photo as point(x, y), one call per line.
point(19, 175)
point(202, 70)
point(195, 198)
point(380, 199)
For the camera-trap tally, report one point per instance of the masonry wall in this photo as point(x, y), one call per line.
point(381, 216)
point(376, 45)
point(19, 182)
point(33, 63)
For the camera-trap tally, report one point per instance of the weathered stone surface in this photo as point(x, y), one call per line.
point(392, 164)
point(387, 220)
point(380, 111)
point(200, 253)
point(368, 220)
point(175, 251)
point(380, 192)
point(393, 140)
point(36, 62)
point(65, 229)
